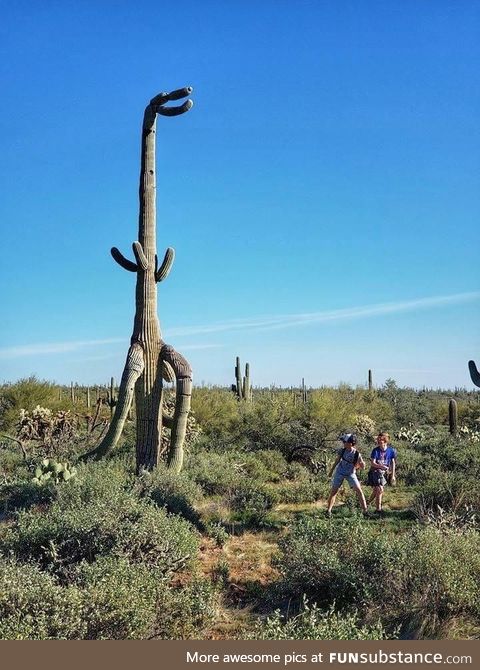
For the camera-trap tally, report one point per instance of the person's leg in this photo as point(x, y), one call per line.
point(378, 497)
point(337, 481)
point(331, 499)
point(355, 485)
point(361, 497)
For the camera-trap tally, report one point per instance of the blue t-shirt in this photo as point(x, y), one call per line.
point(384, 456)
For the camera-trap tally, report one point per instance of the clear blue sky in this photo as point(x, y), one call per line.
point(322, 195)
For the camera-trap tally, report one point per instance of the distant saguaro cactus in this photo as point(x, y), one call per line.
point(111, 398)
point(474, 373)
point(370, 382)
point(242, 387)
point(452, 416)
point(149, 359)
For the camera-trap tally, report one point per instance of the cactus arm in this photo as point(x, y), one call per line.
point(183, 374)
point(168, 374)
point(134, 367)
point(474, 373)
point(122, 261)
point(159, 100)
point(175, 111)
point(140, 256)
point(163, 271)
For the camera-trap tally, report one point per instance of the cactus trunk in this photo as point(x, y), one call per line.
point(149, 358)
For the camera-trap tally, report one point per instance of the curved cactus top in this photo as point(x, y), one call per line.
point(474, 373)
point(157, 103)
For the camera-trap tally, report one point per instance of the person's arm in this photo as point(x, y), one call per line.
point(360, 462)
point(337, 461)
point(393, 467)
point(378, 466)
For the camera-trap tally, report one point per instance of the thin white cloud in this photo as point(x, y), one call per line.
point(293, 320)
point(191, 347)
point(54, 347)
point(278, 322)
point(70, 347)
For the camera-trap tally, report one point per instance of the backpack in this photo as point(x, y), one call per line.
point(355, 458)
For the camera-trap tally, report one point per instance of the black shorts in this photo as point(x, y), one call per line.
point(376, 478)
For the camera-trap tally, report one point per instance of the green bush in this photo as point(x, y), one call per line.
point(96, 515)
point(108, 599)
point(217, 413)
point(25, 494)
point(120, 598)
point(421, 578)
point(314, 624)
point(185, 613)
point(177, 493)
point(215, 473)
point(251, 503)
point(25, 394)
point(34, 607)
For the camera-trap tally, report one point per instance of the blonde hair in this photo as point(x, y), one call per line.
point(385, 435)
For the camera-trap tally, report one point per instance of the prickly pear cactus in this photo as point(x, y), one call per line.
point(50, 470)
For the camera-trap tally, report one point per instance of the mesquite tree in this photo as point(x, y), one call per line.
point(149, 359)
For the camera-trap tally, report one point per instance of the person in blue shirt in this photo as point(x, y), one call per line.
point(382, 469)
point(347, 462)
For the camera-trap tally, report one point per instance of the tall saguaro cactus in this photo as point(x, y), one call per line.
point(149, 359)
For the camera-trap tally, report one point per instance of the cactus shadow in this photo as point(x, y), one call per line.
point(23, 496)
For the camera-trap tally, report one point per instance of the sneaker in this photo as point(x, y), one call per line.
point(367, 515)
point(328, 514)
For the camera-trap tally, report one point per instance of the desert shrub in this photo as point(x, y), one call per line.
point(274, 463)
point(312, 623)
point(420, 579)
point(268, 425)
point(450, 491)
point(120, 598)
point(26, 394)
point(94, 516)
point(263, 466)
point(177, 493)
point(185, 613)
point(439, 580)
point(108, 599)
point(217, 413)
point(215, 473)
point(326, 561)
point(24, 494)
point(251, 502)
point(49, 431)
point(364, 426)
point(34, 607)
point(305, 488)
point(410, 465)
point(216, 530)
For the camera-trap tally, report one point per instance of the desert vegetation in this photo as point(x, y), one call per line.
point(236, 545)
